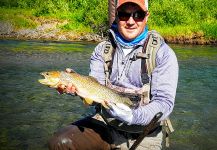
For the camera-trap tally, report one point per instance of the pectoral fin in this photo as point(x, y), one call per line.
point(87, 101)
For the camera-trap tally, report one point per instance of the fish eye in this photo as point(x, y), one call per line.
point(47, 73)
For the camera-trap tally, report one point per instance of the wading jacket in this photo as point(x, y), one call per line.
point(127, 73)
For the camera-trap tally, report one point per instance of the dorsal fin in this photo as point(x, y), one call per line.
point(70, 70)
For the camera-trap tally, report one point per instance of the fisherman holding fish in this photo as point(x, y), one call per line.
point(137, 64)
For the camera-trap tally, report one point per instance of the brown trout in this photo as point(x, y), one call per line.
point(87, 87)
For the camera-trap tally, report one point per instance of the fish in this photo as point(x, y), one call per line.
point(87, 87)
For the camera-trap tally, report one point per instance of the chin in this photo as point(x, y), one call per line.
point(130, 37)
point(129, 34)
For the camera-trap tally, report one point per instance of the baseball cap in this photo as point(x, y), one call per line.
point(143, 4)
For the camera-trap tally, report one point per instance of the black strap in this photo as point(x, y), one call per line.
point(144, 75)
point(153, 124)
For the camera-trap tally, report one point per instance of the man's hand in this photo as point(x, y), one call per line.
point(120, 112)
point(69, 89)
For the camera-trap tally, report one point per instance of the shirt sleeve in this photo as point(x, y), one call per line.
point(164, 81)
point(97, 64)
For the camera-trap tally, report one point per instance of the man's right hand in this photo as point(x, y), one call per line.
point(68, 89)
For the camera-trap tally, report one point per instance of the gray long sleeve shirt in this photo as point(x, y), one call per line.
point(127, 73)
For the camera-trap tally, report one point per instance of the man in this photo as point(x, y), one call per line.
point(128, 35)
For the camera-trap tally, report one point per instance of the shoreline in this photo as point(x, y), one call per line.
point(50, 32)
point(97, 38)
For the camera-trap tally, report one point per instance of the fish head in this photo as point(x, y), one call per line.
point(51, 78)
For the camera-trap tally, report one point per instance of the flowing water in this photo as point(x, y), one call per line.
point(31, 112)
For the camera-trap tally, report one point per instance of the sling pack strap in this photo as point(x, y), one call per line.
point(148, 56)
point(153, 45)
point(107, 56)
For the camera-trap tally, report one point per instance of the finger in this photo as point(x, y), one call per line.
point(61, 89)
point(70, 88)
point(62, 86)
point(109, 104)
point(115, 108)
point(73, 89)
point(106, 102)
point(112, 106)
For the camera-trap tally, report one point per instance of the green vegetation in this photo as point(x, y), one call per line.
point(184, 17)
point(20, 18)
point(170, 17)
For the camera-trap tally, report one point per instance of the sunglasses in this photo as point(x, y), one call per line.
point(137, 16)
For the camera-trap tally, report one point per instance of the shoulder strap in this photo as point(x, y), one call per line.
point(154, 42)
point(107, 56)
point(150, 49)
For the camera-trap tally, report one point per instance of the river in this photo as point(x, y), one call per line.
point(31, 112)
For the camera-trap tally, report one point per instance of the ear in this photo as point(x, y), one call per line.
point(147, 15)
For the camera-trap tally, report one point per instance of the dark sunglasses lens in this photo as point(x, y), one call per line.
point(123, 16)
point(139, 15)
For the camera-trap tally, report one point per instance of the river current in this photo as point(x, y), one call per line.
point(31, 112)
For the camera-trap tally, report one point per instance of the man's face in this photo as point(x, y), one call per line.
point(130, 28)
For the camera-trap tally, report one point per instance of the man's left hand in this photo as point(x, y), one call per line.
point(120, 112)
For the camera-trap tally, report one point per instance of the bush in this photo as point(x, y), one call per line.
point(168, 12)
point(49, 7)
point(91, 13)
point(209, 29)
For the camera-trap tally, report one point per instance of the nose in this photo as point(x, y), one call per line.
point(130, 21)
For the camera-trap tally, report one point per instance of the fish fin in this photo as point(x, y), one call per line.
point(87, 101)
point(70, 70)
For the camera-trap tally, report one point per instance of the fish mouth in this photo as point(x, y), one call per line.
point(44, 80)
point(49, 80)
